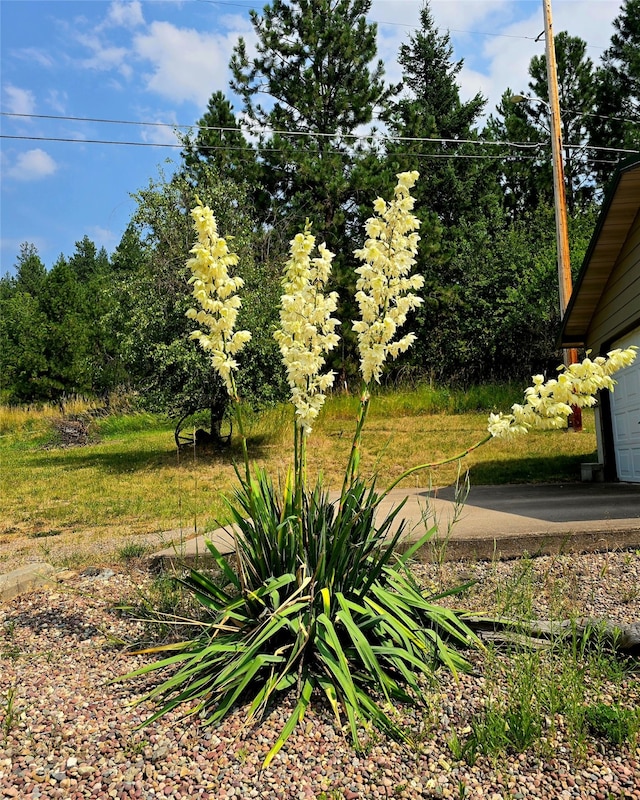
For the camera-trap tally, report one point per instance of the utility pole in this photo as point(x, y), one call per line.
point(562, 231)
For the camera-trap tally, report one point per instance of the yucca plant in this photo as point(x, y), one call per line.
point(316, 599)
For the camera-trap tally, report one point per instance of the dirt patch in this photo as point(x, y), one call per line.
point(71, 432)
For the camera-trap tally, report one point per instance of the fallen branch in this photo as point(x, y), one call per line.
point(622, 638)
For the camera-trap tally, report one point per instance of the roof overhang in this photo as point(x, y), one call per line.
point(620, 207)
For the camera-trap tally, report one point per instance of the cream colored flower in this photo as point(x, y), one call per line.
point(307, 329)
point(215, 291)
point(385, 289)
point(548, 404)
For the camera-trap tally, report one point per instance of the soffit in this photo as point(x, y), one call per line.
point(613, 227)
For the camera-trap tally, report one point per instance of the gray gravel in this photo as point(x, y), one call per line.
point(68, 735)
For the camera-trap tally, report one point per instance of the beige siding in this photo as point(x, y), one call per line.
point(619, 306)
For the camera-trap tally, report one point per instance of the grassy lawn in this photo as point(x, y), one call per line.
point(130, 483)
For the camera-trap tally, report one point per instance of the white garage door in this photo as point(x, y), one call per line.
point(625, 414)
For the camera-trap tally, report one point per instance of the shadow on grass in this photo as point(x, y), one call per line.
point(538, 469)
point(131, 460)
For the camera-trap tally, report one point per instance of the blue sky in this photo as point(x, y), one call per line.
point(158, 61)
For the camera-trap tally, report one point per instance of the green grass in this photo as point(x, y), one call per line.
point(130, 479)
point(536, 693)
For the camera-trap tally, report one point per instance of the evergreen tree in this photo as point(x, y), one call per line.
point(623, 56)
point(30, 271)
point(526, 175)
point(457, 194)
point(220, 144)
point(616, 121)
point(24, 334)
point(24, 330)
point(576, 93)
point(451, 186)
point(315, 62)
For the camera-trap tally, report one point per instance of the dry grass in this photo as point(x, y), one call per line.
point(79, 505)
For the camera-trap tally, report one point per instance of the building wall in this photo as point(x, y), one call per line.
point(619, 308)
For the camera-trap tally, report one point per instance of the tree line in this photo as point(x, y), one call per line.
point(96, 323)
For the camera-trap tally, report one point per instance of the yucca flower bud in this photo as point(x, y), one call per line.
point(548, 404)
point(385, 289)
point(215, 291)
point(307, 329)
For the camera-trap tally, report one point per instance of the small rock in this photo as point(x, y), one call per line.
point(65, 575)
point(90, 572)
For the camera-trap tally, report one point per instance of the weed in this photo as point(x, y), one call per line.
point(462, 790)
point(438, 544)
point(135, 748)
point(242, 754)
point(514, 597)
point(463, 750)
point(9, 716)
point(132, 550)
point(11, 649)
point(614, 723)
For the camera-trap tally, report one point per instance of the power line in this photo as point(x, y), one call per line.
point(265, 129)
point(220, 129)
point(206, 148)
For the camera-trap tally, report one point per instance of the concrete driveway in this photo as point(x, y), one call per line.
point(496, 521)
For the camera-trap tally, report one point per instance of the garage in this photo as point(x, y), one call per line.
point(625, 415)
point(604, 314)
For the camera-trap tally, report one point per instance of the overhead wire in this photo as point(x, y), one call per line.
point(413, 154)
point(374, 136)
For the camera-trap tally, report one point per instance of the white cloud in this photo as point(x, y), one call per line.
point(35, 56)
point(57, 100)
point(32, 165)
point(506, 58)
point(104, 57)
point(160, 134)
point(103, 237)
point(473, 16)
point(19, 101)
point(187, 65)
point(126, 15)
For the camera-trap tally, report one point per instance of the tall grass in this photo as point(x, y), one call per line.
point(425, 398)
point(14, 419)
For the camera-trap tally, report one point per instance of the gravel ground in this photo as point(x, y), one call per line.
point(65, 734)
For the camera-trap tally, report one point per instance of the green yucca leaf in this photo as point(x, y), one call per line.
point(224, 565)
point(318, 599)
point(419, 543)
point(367, 655)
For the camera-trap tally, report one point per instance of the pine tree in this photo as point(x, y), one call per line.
point(451, 186)
point(30, 271)
point(576, 93)
point(457, 194)
point(24, 330)
point(616, 122)
point(315, 63)
point(220, 144)
point(526, 174)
